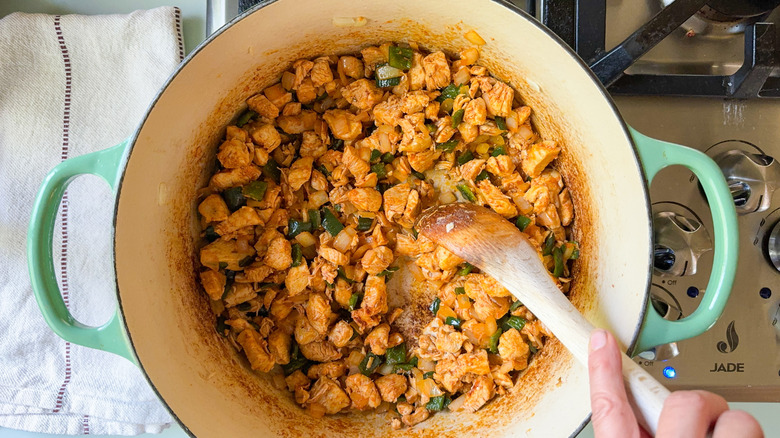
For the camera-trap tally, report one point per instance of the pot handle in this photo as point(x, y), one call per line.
point(655, 155)
point(110, 336)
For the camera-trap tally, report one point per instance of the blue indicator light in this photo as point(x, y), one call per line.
point(670, 373)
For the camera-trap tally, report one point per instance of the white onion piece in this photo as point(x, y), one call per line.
point(386, 369)
point(306, 239)
point(457, 404)
point(343, 240)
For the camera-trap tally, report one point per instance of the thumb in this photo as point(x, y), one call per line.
point(612, 415)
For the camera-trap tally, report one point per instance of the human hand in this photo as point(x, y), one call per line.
point(686, 414)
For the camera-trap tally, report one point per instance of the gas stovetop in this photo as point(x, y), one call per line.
point(702, 74)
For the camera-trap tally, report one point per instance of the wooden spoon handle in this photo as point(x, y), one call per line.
point(542, 297)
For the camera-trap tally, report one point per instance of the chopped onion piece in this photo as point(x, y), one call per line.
point(474, 38)
point(306, 239)
point(457, 404)
point(386, 71)
point(344, 240)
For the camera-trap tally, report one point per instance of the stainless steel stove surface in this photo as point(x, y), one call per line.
point(739, 357)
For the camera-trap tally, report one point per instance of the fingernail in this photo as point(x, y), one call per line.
point(598, 339)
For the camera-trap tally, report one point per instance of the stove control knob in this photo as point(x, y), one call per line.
point(752, 178)
point(773, 246)
point(679, 242)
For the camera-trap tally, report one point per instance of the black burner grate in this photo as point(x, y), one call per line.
point(582, 25)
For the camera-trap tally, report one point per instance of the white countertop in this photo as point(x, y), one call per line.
point(193, 16)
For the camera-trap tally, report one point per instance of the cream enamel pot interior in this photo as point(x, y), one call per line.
point(163, 322)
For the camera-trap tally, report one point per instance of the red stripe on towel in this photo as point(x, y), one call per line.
point(64, 206)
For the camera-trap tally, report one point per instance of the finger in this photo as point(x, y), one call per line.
point(737, 423)
point(612, 415)
point(689, 414)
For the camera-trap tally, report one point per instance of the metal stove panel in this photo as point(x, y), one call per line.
point(739, 357)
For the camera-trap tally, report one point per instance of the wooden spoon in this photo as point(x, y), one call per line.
point(498, 248)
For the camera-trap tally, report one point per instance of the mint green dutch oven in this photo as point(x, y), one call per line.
point(163, 322)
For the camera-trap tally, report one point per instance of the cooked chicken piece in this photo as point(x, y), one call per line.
point(391, 387)
point(388, 112)
point(535, 331)
point(235, 133)
point(312, 145)
point(446, 259)
point(302, 68)
point(422, 161)
point(538, 156)
point(334, 370)
point(375, 296)
point(512, 347)
point(277, 95)
point(214, 283)
point(353, 162)
point(297, 380)
point(362, 391)
point(416, 74)
point(420, 414)
point(498, 99)
point(444, 130)
point(364, 319)
point(333, 256)
point(343, 124)
point(256, 350)
point(320, 351)
point(437, 71)
point(478, 284)
point(234, 153)
point(265, 239)
point(414, 102)
point(395, 200)
point(468, 132)
point(373, 56)
point(279, 254)
point(304, 332)
point(297, 279)
point(224, 251)
point(362, 93)
point(306, 92)
point(291, 109)
point(416, 137)
point(566, 211)
point(243, 217)
point(341, 334)
point(327, 393)
point(481, 391)
point(234, 177)
point(365, 199)
point(239, 293)
point(279, 345)
point(501, 165)
point(496, 199)
point(261, 105)
point(351, 66)
point(318, 312)
point(213, 208)
point(377, 339)
point(300, 172)
point(486, 307)
point(517, 118)
point(471, 169)
point(475, 112)
point(377, 259)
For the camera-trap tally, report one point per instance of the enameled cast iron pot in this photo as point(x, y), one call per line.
point(163, 322)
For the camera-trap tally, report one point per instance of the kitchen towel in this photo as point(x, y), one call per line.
point(70, 85)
